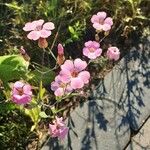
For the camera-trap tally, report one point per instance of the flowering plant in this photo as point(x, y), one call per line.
point(67, 78)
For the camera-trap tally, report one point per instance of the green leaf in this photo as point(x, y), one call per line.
point(43, 114)
point(46, 75)
point(34, 114)
point(71, 30)
point(41, 91)
point(12, 67)
point(13, 5)
point(142, 17)
point(5, 107)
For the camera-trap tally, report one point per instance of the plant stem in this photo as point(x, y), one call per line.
point(50, 52)
point(50, 49)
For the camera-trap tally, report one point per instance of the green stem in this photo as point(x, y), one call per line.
point(50, 49)
point(50, 52)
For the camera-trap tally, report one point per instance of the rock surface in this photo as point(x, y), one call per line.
point(141, 141)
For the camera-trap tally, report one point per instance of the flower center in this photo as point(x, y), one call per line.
point(63, 85)
point(20, 91)
point(91, 49)
point(101, 21)
point(38, 28)
point(74, 74)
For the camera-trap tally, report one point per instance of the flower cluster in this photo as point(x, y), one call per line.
point(92, 49)
point(72, 76)
point(58, 128)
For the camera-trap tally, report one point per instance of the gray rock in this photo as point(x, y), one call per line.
point(141, 141)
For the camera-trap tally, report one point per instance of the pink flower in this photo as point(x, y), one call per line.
point(92, 49)
point(73, 72)
point(100, 22)
point(113, 53)
point(59, 87)
point(21, 93)
point(38, 29)
point(58, 128)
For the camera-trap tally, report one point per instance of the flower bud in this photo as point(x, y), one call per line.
point(60, 49)
point(60, 57)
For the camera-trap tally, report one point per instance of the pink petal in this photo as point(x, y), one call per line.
point(27, 89)
point(59, 92)
point(98, 52)
point(54, 132)
point(65, 78)
point(54, 86)
point(101, 15)
point(15, 91)
point(52, 127)
point(88, 44)
point(109, 21)
point(77, 83)
point(68, 65)
point(34, 35)
point(92, 55)
point(29, 26)
point(96, 44)
point(18, 84)
point(95, 19)
point(64, 71)
point(23, 99)
point(45, 33)
point(48, 26)
point(59, 121)
point(85, 76)
point(63, 132)
point(116, 57)
point(38, 22)
point(86, 51)
point(79, 64)
point(68, 89)
point(106, 27)
point(98, 26)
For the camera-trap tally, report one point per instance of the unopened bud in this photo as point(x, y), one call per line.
point(60, 49)
point(60, 57)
